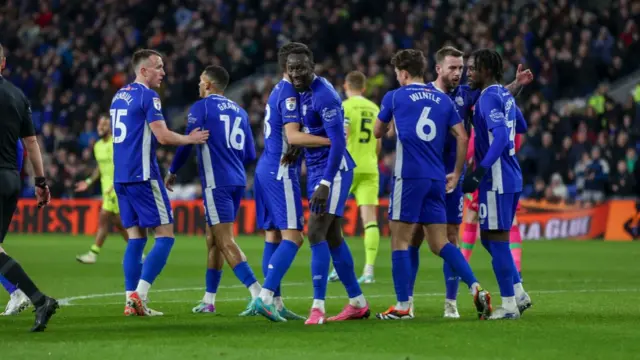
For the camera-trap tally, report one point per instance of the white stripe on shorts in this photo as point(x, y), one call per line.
point(157, 197)
point(290, 204)
point(492, 213)
point(336, 189)
point(396, 207)
point(211, 207)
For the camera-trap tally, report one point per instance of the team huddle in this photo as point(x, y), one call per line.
point(306, 120)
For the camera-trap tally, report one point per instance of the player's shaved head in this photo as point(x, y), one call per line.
point(487, 63)
point(141, 56)
point(356, 80)
point(284, 52)
point(447, 51)
point(218, 76)
point(411, 61)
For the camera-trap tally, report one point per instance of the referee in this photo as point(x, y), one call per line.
point(15, 123)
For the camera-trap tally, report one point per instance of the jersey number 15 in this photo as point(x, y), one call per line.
point(117, 124)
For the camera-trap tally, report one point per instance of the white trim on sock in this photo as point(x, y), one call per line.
point(267, 296)
point(143, 289)
point(368, 270)
point(127, 294)
point(254, 289)
point(358, 301)
point(403, 305)
point(209, 298)
point(519, 290)
point(318, 304)
point(278, 303)
point(509, 303)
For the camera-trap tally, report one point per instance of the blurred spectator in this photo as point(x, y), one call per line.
point(557, 190)
point(596, 177)
point(623, 182)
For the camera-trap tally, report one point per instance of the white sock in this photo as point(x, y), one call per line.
point(267, 296)
point(519, 290)
point(452, 302)
point(411, 299)
point(403, 305)
point(143, 289)
point(358, 301)
point(254, 289)
point(127, 294)
point(474, 288)
point(278, 302)
point(509, 303)
point(318, 304)
point(368, 270)
point(209, 298)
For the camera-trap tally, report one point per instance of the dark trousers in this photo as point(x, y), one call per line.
point(9, 192)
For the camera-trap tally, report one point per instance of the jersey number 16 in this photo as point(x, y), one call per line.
point(234, 135)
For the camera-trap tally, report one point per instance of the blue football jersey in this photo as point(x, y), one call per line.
point(282, 108)
point(322, 115)
point(463, 99)
point(221, 159)
point(423, 117)
point(133, 108)
point(496, 107)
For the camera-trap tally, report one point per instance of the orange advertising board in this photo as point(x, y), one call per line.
point(623, 223)
point(545, 221)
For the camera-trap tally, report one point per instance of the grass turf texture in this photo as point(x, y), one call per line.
point(585, 306)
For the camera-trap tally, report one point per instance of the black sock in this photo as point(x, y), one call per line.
point(11, 270)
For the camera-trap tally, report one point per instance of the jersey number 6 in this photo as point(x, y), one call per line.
point(423, 122)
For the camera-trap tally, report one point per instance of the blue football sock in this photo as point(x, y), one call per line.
point(245, 274)
point(269, 250)
point(401, 273)
point(452, 255)
point(516, 275)
point(157, 259)
point(320, 259)
point(132, 263)
point(343, 263)
point(486, 244)
point(213, 280)
point(280, 263)
point(451, 282)
point(503, 266)
point(414, 257)
point(7, 285)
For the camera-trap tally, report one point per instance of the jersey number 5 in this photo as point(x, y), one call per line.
point(235, 138)
point(423, 122)
point(365, 131)
point(117, 124)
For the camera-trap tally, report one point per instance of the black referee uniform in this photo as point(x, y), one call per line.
point(15, 123)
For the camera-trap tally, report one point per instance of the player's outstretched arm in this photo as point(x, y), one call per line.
point(168, 137)
point(523, 78)
point(521, 123)
point(84, 184)
point(385, 116)
point(298, 138)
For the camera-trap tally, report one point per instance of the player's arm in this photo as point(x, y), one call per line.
point(384, 116)
point(457, 130)
point(84, 184)
point(298, 138)
point(333, 123)
point(155, 118)
point(491, 111)
point(194, 121)
point(523, 77)
point(521, 123)
point(249, 145)
point(30, 142)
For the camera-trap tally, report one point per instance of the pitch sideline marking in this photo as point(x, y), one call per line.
point(67, 301)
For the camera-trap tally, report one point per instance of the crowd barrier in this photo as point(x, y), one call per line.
point(616, 220)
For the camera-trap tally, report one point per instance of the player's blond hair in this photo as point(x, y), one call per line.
point(356, 80)
point(447, 51)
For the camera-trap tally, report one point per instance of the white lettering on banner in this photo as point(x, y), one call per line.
point(556, 228)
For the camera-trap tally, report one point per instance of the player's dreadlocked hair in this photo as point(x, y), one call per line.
point(489, 60)
point(284, 52)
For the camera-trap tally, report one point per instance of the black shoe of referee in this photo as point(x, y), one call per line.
point(44, 312)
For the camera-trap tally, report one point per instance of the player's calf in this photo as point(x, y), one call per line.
point(401, 236)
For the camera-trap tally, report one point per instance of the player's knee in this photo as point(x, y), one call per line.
point(453, 233)
point(165, 230)
point(294, 236)
point(369, 214)
point(273, 236)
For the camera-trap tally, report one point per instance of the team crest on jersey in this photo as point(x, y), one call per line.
point(290, 103)
point(459, 100)
point(156, 103)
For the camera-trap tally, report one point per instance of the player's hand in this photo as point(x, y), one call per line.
point(291, 156)
point(523, 77)
point(198, 136)
point(472, 181)
point(318, 201)
point(43, 195)
point(81, 186)
point(169, 181)
point(452, 181)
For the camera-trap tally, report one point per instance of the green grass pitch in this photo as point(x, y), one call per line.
point(585, 307)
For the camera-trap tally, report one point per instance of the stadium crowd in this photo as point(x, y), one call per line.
point(69, 57)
